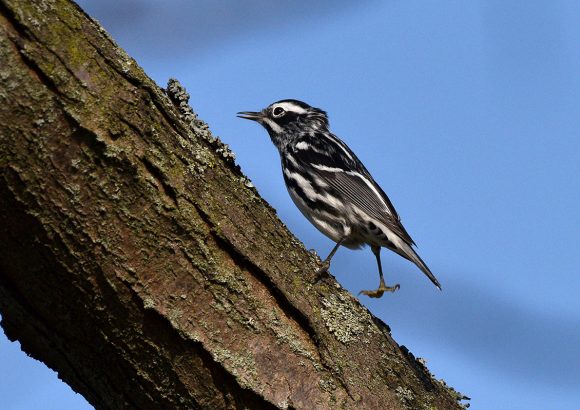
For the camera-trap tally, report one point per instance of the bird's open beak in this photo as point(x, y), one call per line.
point(251, 115)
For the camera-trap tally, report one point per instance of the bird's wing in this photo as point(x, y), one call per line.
point(363, 192)
point(339, 167)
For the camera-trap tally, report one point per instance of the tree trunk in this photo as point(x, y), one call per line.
point(140, 264)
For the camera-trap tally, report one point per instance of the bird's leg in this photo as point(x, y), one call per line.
point(326, 263)
point(382, 286)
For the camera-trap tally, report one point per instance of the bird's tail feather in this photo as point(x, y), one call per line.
point(411, 254)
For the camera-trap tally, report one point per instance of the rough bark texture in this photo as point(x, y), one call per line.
point(139, 263)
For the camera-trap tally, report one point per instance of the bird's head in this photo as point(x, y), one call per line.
point(288, 119)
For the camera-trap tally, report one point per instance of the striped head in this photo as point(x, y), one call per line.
point(286, 120)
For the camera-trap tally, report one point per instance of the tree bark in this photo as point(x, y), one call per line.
point(139, 263)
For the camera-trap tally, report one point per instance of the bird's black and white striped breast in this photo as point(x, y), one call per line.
point(315, 199)
point(305, 186)
point(306, 162)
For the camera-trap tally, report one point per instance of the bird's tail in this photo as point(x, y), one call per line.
point(411, 254)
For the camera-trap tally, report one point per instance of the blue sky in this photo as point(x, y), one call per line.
point(466, 113)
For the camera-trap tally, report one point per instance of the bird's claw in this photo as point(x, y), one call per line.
point(321, 271)
point(324, 268)
point(380, 291)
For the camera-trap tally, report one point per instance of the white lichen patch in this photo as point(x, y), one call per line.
point(327, 384)
point(405, 395)
point(242, 366)
point(345, 322)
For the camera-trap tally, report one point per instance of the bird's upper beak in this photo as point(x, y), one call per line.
point(251, 115)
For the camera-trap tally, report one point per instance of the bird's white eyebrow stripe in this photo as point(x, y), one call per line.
point(288, 106)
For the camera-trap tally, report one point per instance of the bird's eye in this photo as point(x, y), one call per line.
point(278, 112)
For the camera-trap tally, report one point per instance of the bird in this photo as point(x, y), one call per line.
point(333, 189)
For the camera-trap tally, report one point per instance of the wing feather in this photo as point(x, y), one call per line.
point(331, 159)
point(369, 198)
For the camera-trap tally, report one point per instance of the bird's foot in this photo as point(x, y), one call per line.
point(380, 291)
point(323, 270)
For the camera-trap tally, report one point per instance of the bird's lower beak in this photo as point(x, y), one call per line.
point(250, 115)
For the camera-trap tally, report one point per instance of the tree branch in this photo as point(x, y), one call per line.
point(140, 264)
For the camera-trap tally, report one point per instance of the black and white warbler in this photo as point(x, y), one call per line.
point(332, 188)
